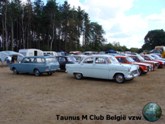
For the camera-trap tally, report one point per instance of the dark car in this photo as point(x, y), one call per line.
point(63, 60)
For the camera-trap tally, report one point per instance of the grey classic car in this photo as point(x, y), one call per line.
point(36, 65)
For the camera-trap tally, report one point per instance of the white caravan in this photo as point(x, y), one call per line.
point(51, 53)
point(31, 52)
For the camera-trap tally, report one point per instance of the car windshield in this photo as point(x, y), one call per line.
point(113, 60)
point(156, 56)
point(141, 58)
point(71, 59)
point(49, 60)
point(79, 58)
point(151, 57)
point(130, 59)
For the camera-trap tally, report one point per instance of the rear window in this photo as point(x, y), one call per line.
point(49, 60)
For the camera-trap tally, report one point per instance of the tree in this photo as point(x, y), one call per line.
point(27, 17)
point(14, 14)
point(37, 22)
point(154, 38)
point(4, 4)
point(86, 29)
point(96, 36)
point(47, 27)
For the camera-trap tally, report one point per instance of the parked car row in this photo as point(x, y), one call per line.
point(118, 67)
point(107, 67)
point(143, 67)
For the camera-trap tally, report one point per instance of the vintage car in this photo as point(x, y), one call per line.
point(35, 65)
point(139, 58)
point(157, 57)
point(143, 67)
point(104, 67)
point(150, 58)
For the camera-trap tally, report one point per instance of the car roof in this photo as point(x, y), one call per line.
point(39, 57)
point(121, 56)
point(99, 55)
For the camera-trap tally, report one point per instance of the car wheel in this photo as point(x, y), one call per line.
point(78, 76)
point(49, 73)
point(140, 72)
point(119, 78)
point(144, 72)
point(36, 72)
point(15, 71)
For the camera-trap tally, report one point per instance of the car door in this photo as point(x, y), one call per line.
point(100, 68)
point(25, 65)
point(38, 63)
point(87, 67)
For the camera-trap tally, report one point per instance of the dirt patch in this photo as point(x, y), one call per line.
point(26, 99)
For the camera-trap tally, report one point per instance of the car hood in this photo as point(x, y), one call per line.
point(130, 66)
point(140, 63)
point(154, 62)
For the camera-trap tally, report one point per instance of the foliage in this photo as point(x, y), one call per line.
point(115, 46)
point(52, 26)
point(154, 38)
point(47, 27)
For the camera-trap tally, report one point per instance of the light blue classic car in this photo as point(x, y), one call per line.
point(104, 67)
point(36, 65)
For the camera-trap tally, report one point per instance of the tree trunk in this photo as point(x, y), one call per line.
point(12, 36)
point(5, 26)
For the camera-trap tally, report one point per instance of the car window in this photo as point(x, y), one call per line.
point(100, 60)
point(49, 60)
point(88, 60)
point(39, 60)
point(135, 58)
point(121, 60)
point(146, 57)
point(61, 59)
point(71, 59)
point(130, 59)
point(26, 60)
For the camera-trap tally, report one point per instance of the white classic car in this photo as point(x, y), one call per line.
point(104, 67)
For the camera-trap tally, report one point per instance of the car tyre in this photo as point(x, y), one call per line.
point(119, 78)
point(78, 76)
point(49, 73)
point(36, 72)
point(140, 72)
point(15, 71)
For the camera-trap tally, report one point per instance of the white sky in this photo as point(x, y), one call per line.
point(122, 20)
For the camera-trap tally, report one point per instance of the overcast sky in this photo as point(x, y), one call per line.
point(124, 21)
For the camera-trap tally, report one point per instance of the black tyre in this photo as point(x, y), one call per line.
point(78, 76)
point(36, 72)
point(145, 72)
point(15, 71)
point(49, 73)
point(140, 72)
point(119, 78)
